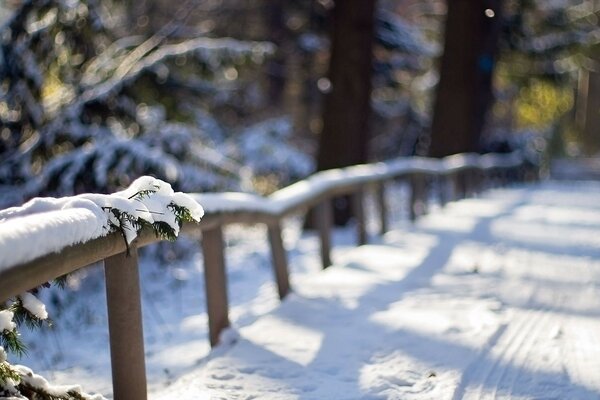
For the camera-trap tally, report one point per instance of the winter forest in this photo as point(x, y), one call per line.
point(139, 111)
point(219, 95)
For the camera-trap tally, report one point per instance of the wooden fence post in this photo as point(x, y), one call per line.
point(280, 265)
point(460, 190)
point(125, 326)
point(382, 206)
point(477, 178)
point(358, 209)
point(215, 282)
point(443, 183)
point(324, 220)
point(418, 195)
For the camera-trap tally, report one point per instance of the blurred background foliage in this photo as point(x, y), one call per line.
point(228, 94)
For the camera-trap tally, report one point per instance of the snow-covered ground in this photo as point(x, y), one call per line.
point(495, 297)
point(489, 298)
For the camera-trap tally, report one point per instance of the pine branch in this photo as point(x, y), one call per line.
point(182, 214)
point(23, 316)
point(61, 281)
point(6, 373)
point(12, 342)
point(33, 392)
point(163, 230)
point(142, 194)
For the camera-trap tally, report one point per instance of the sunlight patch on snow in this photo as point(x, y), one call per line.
point(478, 208)
point(546, 235)
point(470, 257)
point(579, 194)
point(345, 283)
point(551, 267)
point(181, 355)
point(467, 321)
point(449, 223)
point(407, 240)
point(390, 263)
point(302, 350)
point(558, 215)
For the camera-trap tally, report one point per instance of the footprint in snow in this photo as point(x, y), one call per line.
point(222, 377)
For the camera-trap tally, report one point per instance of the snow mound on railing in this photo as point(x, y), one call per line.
point(302, 192)
point(47, 225)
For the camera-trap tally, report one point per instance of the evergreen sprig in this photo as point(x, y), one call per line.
point(23, 316)
point(140, 195)
point(6, 373)
point(61, 281)
point(163, 230)
point(182, 214)
point(11, 341)
point(32, 392)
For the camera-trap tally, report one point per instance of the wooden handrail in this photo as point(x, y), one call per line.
point(316, 192)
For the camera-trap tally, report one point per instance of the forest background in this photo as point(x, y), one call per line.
point(215, 95)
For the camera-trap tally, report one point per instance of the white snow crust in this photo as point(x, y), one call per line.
point(298, 193)
point(34, 305)
point(6, 321)
point(37, 381)
point(47, 225)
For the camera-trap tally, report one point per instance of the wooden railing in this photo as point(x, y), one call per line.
point(464, 174)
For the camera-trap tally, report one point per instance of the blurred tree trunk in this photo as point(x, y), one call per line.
point(464, 93)
point(346, 109)
point(589, 105)
point(276, 67)
point(591, 127)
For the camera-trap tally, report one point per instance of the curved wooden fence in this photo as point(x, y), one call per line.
point(463, 173)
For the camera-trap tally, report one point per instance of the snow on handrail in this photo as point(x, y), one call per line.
point(20, 238)
point(73, 233)
point(308, 192)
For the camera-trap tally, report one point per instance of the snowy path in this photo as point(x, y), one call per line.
point(490, 298)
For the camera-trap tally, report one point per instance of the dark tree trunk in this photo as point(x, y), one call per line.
point(276, 65)
point(464, 93)
point(591, 127)
point(346, 110)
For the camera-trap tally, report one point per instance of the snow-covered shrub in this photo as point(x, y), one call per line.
point(267, 151)
point(19, 382)
point(82, 111)
point(147, 202)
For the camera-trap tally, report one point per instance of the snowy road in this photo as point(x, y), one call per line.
point(489, 298)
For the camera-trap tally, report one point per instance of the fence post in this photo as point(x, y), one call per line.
point(125, 326)
point(443, 182)
point(418, 195)
point(460, 190)
point(382, 206)
point(280, 266)
point(476, 181)
point(358, 209)
point(324, 220)
point(215, 282)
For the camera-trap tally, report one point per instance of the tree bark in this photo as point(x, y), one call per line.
point(591, 126)
point(276, 65)
point(346, 110)
point(464, 93)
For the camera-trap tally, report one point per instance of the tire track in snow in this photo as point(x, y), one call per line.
point(489, 368)
point(515, 365)
point(509, 351)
